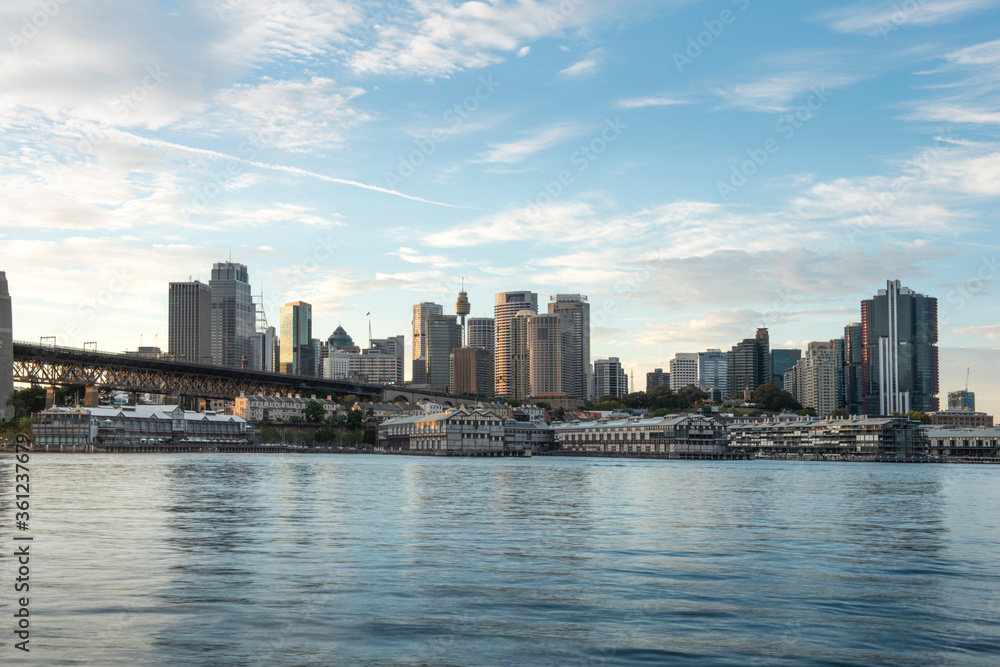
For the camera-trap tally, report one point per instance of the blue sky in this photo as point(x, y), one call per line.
point(697, 169)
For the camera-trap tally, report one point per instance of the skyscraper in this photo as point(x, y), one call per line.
point(339, 339)
point(6, 350)
point(820, 377)
point(519, 370)
point(189, 317)
point(265, 349)
point(441, 337)
point(713, 370)
point(853, 358)
point(683, 370)
point(609, 378)
point(233, 314)
point(472, 371)
point(749, 363)
point(421, 312)
point(553, 354)
point(481, 333)
point(462, 310)
point(575, 310)
point(899, 333)
point(296, 335)
point(963, 400)
point(781, 361)
point(657, 379)
point(507, 306)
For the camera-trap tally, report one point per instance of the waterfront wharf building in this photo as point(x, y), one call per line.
point(233, 314)
point(476, 431)
point(973, 443)
point(899, 335)
point(683, 436)
point(506, 307)
point(138, 428)
point(189, 316)
point(883, 437)
point(522, 436)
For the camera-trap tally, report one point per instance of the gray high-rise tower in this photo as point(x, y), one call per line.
point(575, 311)
point(190, 322)
point(506, 308)
point(6, 350)
point(233, 315)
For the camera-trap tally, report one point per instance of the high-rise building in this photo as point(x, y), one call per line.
point(713, 370)
point(749, 363)
point(552, 354)
point(189, 318)
point(233, 315)
point(339, 339)
point(853, 358)
point(962, 399)
point(781, 361)
point(421, 312)
point(899, 332)
point(683, 370)
point(462, 310)
point(296, 339)
point(519, 370)
point(442, 335)
point(575, 310)
point(481, 333)
point(6, 350)
point(393, 347)
point(506, 307)
point(657, 379)
point(472, 371)
point(819, 379)
point(265, 350)
point(609, 378)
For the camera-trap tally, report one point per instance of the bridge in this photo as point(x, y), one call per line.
point(50, 365)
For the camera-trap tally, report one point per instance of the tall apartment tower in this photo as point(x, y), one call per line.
point(481, 333)
point(820, 378)
point(899, 335)
point(472, 371)
point(853, 359)
point(575, 311)
point(520, 355)
point(189, 317)
point(552, 355)
point(442, 336)
point(233, 314)
point(750, 363)
point(296, 339)
point(6, 350)
point(421, 312)
point(713, 371)
point(609, 378)
point(506, 307)
point(657, 378)
point(683, 370)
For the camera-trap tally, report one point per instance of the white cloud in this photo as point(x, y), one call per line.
point(883, 18)
point(541, 139)
point(585, 67)
point(646, 102)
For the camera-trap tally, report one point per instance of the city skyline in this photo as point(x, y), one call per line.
point(695, 182)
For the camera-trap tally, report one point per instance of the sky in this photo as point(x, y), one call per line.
point(697, 169)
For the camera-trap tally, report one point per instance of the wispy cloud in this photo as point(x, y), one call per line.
point(585, 67)
point(541, 139)
point(883, 17)
point(647, 102)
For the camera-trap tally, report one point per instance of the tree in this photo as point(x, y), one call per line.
point(691, 395)
point(314, 412)
point(270, 436)
point(512, 402)
point(807, 412)
point(560, 413)
point(28, 401)
point(769, 397)
point(840, 413)
point(355, 419)
point(543, 404)
point(350, 400)
point(917, 416)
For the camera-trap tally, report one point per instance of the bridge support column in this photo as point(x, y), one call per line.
point(91, 397)
point(50, 397)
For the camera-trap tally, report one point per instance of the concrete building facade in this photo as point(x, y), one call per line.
point(471, 371)
point(575, 311)
point(609, 378)
point(506, 307)
point(189, 322)
point(482, 331)
point(234, 319)
point(657, 378)
point(683, 370)
point(553, 355)
point(749, 363)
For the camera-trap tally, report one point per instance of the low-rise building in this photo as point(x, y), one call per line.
point(975, 443)
point(964, 418)
point(883, 437)
point(132, 427)
point(258, 408)
point(454, 430)
point(682, 436)
point(519, 437)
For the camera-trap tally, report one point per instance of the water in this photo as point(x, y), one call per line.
point(368, 560)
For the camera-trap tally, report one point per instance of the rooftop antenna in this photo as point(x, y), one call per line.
point(967, 373)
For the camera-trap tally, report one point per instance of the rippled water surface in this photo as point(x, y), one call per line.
point(369, 560)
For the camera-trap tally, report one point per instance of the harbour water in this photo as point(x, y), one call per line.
point(392, 560)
